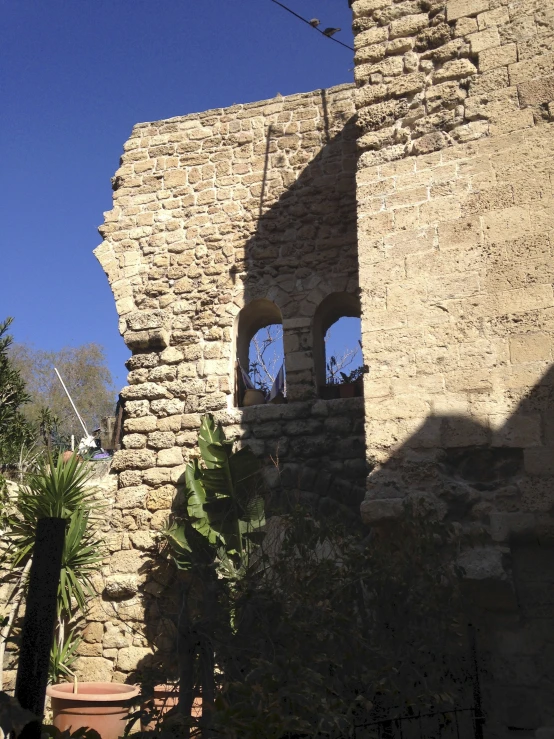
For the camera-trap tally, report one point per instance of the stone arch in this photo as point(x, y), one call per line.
point(257, 314)
point(334, 306)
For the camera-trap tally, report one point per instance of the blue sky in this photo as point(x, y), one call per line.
point(75, 76)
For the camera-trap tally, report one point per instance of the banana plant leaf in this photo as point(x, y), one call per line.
point(224, 507)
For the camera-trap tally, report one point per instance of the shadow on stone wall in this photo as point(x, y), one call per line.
point(304, 249)
point(497, 487)
point(313, 451)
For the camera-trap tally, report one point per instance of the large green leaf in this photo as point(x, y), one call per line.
point(196, 494)
point(224, 507)
point(244, 465)
point(210, 433)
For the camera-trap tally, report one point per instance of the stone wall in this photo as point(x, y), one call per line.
point(436, 200)
point(455, 214)
point(455, 218)
point(212, 213)
point(215, 210)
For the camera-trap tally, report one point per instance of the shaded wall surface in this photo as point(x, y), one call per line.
point(213, 212)
point(455, 216)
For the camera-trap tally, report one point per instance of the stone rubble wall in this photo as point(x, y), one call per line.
point(428, 190)
point(455, 208)
point(455, 220)
point(217, 209)
point(212, 211)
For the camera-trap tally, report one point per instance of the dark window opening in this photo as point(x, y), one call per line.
point(338, 355)
point(260, 366)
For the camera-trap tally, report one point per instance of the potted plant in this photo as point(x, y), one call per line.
point(163, 699)
point(352, 383)
point(62, 489)
point(103, 707)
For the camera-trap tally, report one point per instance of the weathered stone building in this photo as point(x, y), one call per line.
point(420, 198)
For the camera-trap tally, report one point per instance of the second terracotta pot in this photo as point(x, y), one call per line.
point(103, 707)
point(164, 698)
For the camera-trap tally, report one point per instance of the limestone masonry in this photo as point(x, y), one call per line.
point(420, 198)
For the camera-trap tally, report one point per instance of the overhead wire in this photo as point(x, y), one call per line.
point(305, 20)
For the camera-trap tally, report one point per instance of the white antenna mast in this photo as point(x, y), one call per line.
point(72, 403)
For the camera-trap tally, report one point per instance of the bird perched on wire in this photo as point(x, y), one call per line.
point(315, 22)
point(330, 31)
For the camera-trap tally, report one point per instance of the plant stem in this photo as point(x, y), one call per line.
point(186, 650)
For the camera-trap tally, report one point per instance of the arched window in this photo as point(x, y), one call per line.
point(337, 346)
point(260, 368)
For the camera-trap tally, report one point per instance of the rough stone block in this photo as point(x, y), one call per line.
point(93, 632)
point(149, 390)
point(460, 8)
point(482, 563)
point(129, 658)
point(161, 498)
point(134, 441)
point(465, 26)
point(539, 461)
point(93, 669)
point(409, 25)
point(497, 17)
point(140, 425)
point(128, 561)
point(362, 8)
point(507, 224)
point(131, 497)
point(130, 459)
point(407, 84)
point(506, 525)
point(532, 347)
point(170, 457)
point(120, 587)
point(456, 69)
point(536, 92)
point(162, 439)
point(485, 39)
point(521, 430)
point(375, 512)
point(500, 56)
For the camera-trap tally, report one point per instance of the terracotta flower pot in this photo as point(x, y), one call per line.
point(347, 390)
point(253, 397)
point(103, 707)
point(164, 698)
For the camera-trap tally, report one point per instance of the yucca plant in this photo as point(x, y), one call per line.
point(59, 489)
point(63, 655)
point(212, 541)
point(56, 489)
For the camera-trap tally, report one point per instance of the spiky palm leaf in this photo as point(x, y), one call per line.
point(62, 656)
point(81, 555)
point(57, 488)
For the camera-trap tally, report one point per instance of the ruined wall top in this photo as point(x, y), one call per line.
point(217, 209)
point(433, 74)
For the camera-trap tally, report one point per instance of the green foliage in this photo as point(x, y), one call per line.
point(82, 733)
point(338, 630)
point(56, 489)
point(224, 507)
point(354, 375)
point(14, 429)
point(87, 377)
point(59, 489)
point(63, 655)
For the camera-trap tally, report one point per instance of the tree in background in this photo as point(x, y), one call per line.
point(14, 429)
point(86, 375)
